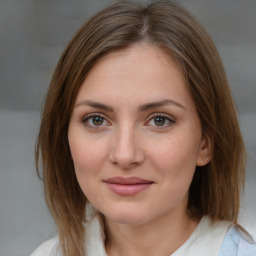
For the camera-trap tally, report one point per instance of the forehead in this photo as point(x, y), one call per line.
point(142, 72)
point(140, 53)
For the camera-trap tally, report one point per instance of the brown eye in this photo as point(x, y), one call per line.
point(159, 121)
point(97, 120)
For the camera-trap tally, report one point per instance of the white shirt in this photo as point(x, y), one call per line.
point(206, 239)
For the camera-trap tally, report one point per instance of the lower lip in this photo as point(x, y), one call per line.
point(128, 190)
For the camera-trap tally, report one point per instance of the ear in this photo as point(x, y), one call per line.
point(204, 151)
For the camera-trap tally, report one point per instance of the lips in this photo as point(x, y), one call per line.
point(127, 186)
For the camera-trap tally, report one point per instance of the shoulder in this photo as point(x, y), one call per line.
point(46, 248)
point(94, 242)
point(238, 242)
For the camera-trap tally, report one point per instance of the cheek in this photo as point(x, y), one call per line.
point(88, 157)
point(175, 161)
point(175, 166)
point(173, 152)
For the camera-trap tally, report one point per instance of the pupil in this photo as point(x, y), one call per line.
point(159, 121)
point(97, 120)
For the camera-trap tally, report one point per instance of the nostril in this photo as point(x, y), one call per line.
point(126, 151)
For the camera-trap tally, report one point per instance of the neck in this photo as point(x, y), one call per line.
point(160, 237)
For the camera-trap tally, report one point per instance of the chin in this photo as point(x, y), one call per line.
point(128, 220)
point(129, 217)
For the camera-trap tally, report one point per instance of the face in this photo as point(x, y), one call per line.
point(135, 136)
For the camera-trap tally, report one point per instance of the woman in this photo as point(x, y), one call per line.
point(140, 146)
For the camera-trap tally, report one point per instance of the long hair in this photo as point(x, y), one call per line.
point(216, 187)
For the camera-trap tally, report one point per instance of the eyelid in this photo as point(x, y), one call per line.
point(160, 114)
point(86, 117)
point(94, 114)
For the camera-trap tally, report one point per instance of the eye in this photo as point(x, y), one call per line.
point(160, 120)
point(95, 121)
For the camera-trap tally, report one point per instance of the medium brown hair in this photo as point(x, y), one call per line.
point(215, 189)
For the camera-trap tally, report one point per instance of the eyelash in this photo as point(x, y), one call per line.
point(166, 117)
point(86, 119)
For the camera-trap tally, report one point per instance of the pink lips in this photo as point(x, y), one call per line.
point(127, 186)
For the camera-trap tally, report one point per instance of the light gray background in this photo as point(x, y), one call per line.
point(33, 34)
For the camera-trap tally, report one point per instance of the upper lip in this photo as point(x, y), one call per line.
point(127, 181)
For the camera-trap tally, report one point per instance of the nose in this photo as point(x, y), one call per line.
point(126, 151)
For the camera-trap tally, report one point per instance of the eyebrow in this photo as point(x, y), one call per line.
point(95, 105)
point(141, 108)
point(161, 103)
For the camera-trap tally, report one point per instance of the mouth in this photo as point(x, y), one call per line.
point(127, 186)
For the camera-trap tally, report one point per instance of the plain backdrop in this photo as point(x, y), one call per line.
point(33, 34)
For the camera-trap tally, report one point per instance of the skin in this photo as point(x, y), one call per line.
point(126, 139)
